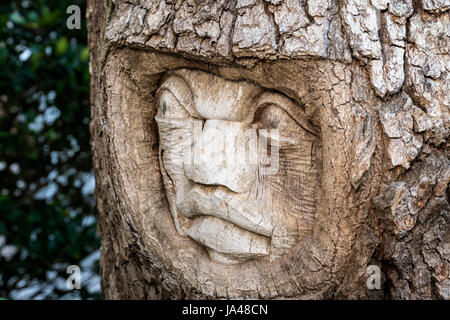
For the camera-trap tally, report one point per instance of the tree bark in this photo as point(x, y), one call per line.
point(372, 77)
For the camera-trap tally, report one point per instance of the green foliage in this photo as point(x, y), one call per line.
point(46, 208)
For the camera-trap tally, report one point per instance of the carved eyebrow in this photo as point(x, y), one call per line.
point(296, 113)
point(181, 90)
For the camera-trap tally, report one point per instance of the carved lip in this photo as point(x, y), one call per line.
point(233, 244)
point(223, 223)
point(219, 203)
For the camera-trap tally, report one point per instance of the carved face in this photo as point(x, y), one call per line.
point(238, 164)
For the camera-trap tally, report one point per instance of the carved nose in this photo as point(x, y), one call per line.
point(224, 153)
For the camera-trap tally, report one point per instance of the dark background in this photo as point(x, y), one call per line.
point(47, 214)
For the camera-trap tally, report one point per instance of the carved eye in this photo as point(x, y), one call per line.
point(170, 107)
point(274, 124)
point(273, 117)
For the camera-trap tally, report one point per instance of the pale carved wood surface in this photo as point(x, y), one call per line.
point(371, 80)
point(214, 142)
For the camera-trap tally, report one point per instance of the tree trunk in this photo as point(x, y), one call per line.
point(367, 83)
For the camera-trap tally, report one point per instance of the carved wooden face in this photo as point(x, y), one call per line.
point(238, 164)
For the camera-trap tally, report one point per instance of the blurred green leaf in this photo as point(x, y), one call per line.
point(62, 45)
point(32, 16)
point(16, 17)
point(84, 54)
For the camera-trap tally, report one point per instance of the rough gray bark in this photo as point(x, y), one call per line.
point(373, 78)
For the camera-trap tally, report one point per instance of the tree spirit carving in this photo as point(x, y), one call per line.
point(238, 164)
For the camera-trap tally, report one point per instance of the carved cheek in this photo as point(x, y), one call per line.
point(221, 156)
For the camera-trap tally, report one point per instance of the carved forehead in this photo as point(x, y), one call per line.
point(212, 97)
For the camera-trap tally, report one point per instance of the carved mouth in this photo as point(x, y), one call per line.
point(220, 203)
point(222, 223)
